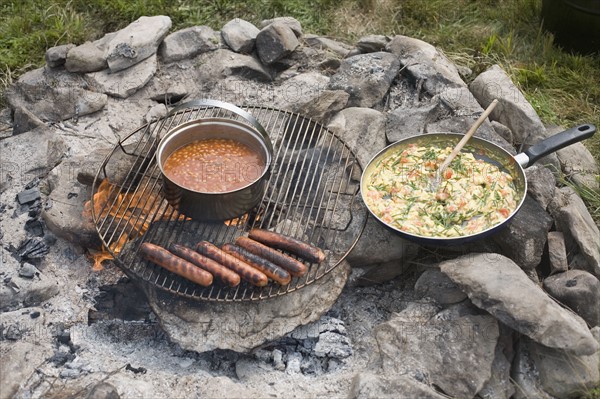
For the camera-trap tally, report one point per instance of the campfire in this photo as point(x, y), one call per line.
point(131, 213)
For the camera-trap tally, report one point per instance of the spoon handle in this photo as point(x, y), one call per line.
point(467, 136)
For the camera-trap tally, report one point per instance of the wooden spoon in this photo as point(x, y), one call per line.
point(462, 142)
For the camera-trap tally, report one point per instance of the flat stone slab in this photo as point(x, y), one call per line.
point(124, 83)
point(242, 326)
point(498, 285)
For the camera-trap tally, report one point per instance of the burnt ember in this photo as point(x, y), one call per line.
point(33, 248)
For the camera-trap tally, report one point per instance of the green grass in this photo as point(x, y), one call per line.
point(563, 88)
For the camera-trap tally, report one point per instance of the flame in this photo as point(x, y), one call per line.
point(131, 208)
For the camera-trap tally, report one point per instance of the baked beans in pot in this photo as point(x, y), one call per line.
point(214, 168)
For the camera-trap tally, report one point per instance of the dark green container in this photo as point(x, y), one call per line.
point(574, 23)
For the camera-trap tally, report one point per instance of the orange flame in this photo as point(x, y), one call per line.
point(138, 207)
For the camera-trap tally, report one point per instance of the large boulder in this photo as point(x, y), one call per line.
point(513, 110)
point(188, 43)
point(498, 285)
point(579, 290)
point(366, 77)
point(240, 35)
point(425, 63)
point(452, 350)
point(581, 233)
point(362, 129)
point(136, 42)
point(275, 41)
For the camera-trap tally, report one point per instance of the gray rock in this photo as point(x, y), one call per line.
point(125, 82)
point(407, 121)
point(366, 77)
point(278, 360)
point(377, 273)
point(378, 244)
point(525, 374)
point(327, 104)
point(299, 90)
point(56, 56)
point(103, 390)
point(579, 290)
point(239, 35)
point(579, 166)
point(524, 238)
point(564, 375)
point(367, 385)
point(497, 285)
point(66, 218)
point(28, 270)
point(500, 386)
point(25, 120)
point(503, 132)
point(325, 43)
point(574, 220)
point(86, 58)
point(29, 155)
point(291, 22)
point(18, 292)
point(19, 361)
point(156, 112)
point(424, 62)
point(557, 252)
point(540, 184)
point(452, 350)
point(294, 361)
point(54, 95)
point(372, 43)
point(362, 129)
point(222, 63)
point(136, 42)
point(332, 344)
point(248, 324)
point(436, 285)
point(188, 43)
point(275, 41)
point(513, 110)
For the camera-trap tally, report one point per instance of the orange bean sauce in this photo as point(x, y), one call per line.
point(214, 165)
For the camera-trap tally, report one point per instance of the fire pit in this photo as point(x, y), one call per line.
point(311, 195)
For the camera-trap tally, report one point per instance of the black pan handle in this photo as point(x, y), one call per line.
point(555, 143)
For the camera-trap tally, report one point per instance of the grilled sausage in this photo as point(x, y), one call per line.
point(224, 274)
point(287, 243)
point(246, 271)
point(293, 266)
point(272, 271)
point(175, 264)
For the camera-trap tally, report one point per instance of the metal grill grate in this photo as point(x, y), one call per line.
point(311, 195)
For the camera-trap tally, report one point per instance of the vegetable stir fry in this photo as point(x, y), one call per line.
point(472, 196)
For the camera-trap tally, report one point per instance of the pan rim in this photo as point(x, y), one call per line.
point(449, 135)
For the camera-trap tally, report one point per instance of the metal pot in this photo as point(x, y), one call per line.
point(215, 206)
point(489, 152)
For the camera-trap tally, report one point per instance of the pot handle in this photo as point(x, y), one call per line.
point(205, 102)
point(554, 143)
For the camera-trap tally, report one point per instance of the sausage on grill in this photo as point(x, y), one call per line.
point(175, 264)
point(246, 271)
point(293, 266)
point(224, 274)
point(280, 241)
point(272, 271)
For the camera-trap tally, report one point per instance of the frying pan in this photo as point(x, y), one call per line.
point(490, 153)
